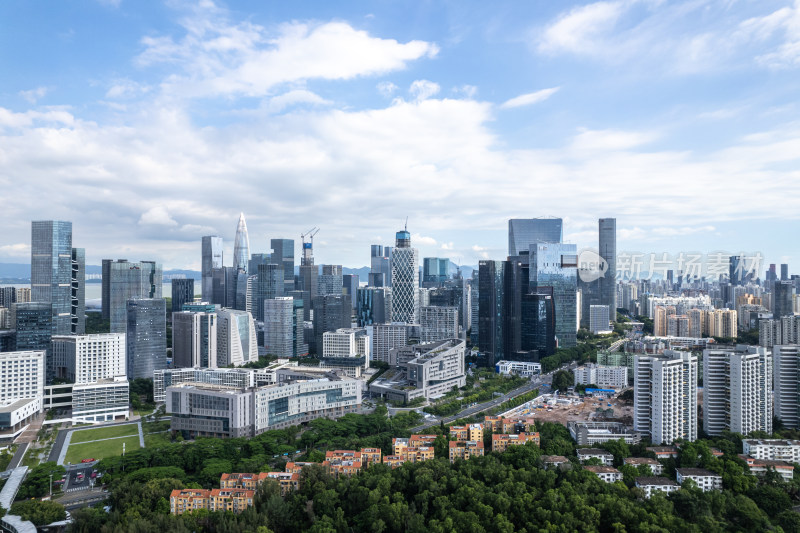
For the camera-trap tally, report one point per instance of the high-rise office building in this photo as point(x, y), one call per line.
point(739, 270)
point(194, 339)
point(374, 306)
point(331, 312)
point(405, 280)
point(182, 292)
point(350, 287)
point(8, 296)
point(380, 266)
point(78, 292)
point(89, 358)
point(553, 271)
point(237, 343)
point(258, 259)
point(438, 323)
point(737, 390)
point(330, 281)
point(283, 254)
point(782, 299)
point(784, 272)
point(211, 260)
point(34, 326)
point(538, 326)
point(435, 271)
point(665, 396)
point(491, 309)
point(283, 327)
point(309, 276)
point(146, 336)
point(51, 271)
point(608, 251)
point(523, 232)
point(241, 246)
point(771, 274)
point(599, 319)
point(786, 376)
point(124, 280)
point(269, 283)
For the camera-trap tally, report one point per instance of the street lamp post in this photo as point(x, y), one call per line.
point(51, 485)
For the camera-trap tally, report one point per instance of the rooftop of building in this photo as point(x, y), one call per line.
point(601, 469)
point(16, 404)
point(592, 451)
point(640, 461)
point(771, 442)
point(752, 461)
point(655, 480)
point(700, 472)
point(554, 459)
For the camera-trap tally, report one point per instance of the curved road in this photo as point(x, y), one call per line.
point(536, 383)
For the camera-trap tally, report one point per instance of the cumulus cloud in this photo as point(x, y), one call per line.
point(220, 57)
point(529, 98)
point(423, 89)
point(387, 88)
point(157, 216)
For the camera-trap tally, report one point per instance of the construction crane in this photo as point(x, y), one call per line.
point(310, 234)
point(308, 253)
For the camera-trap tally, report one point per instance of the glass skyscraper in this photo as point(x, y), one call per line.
point(211, 259)
point(241, 246)
point(608, 251)
point(146, 336)
point(283, 255)
point(182, 292)
point(405, 280)
point(78, 292)
point(122, 281)
point(554, 271)
point(523, 232)
point(267, 285)
point(51, 270)
point(435, 270)
point(491, 280)
point(34, 326)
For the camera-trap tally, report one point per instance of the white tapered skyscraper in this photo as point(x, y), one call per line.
point(241, 247)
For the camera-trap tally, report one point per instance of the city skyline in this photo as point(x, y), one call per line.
point(678, 119)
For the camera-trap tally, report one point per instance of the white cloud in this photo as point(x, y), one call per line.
point(54, 115)
point(126, 88)
point(581, 29)
point(296, 97)
point(219, 57)
point(447, 246)
point(590, 140)
point(387, 88)
point(468, 91)
point(157, 216)
point(34, 95)
point(418, 239)
point(423, 89)
point(19, 250)
point(529, 98)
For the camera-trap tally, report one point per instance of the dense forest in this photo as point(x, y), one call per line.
point(500, 492)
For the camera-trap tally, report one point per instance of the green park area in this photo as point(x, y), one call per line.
point(88, 435)
point(100, 449)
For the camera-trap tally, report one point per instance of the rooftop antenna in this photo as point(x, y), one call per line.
point(406, 226)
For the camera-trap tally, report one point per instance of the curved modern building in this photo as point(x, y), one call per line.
point(241, 247)
point(405, 280)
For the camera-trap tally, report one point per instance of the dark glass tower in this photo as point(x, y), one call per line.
point(182, 292)
point(522, 232)
point(211, 260)
point(491, 277)
point(146, 336)
point(283, 255)
point(608, 251)
point(51, 270)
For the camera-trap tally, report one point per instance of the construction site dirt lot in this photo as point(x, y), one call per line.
point(584, 411)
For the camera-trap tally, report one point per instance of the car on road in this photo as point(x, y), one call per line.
point(79, 477)
point(88, 460)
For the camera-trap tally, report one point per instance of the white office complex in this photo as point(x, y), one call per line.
point(786, 376)
point(22, 377)
point(228, 411)
point(97, 364)
point(599, 318)
point(405, 280)
point(426, 370)
point(89, 358)
point(237, 343)
point(346, 342)
point(737, 390)
point(665, 396)
point(438, 323)
point(605, 377)
point(194, 339)
point(518, 368)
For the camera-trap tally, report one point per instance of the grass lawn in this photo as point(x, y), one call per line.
point(86, 435)
point(101, 449)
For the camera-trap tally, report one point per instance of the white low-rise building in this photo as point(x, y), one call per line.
point(103, 400)
point(609, 474)
point(519, 368)
point(652, 484)
point(760, 467)
point(704, 479)
point(605, 377)
point(655, 467)
point(584, 454)
point(773, 449)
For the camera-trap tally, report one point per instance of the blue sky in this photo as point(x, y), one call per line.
point(150, 124)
